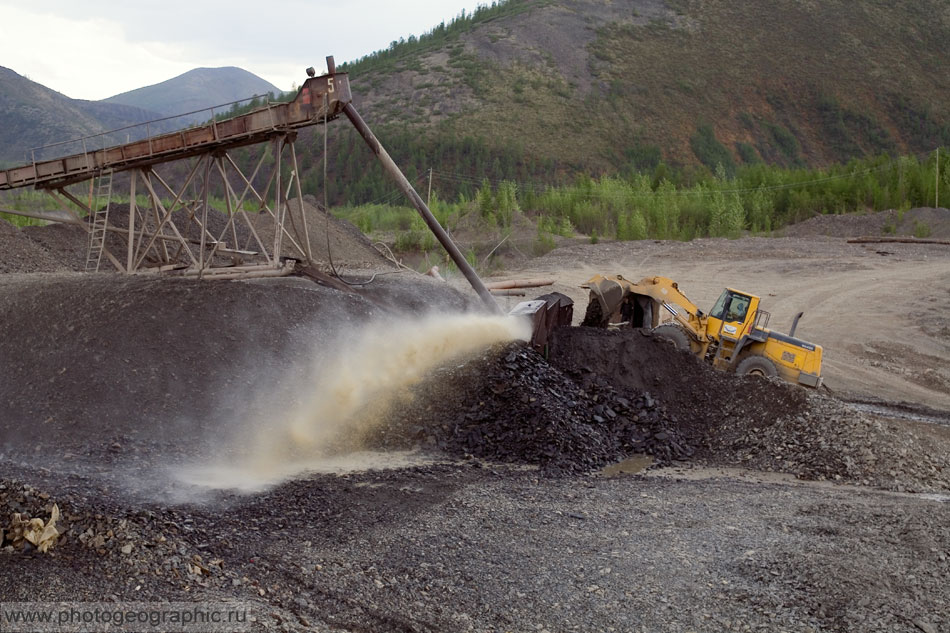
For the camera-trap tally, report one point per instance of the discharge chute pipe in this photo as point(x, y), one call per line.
point(421, 207)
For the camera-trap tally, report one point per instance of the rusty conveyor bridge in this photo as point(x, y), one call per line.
point(318, 99)
point(153, 236)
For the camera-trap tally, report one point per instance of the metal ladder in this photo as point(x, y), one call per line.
point(100, 218)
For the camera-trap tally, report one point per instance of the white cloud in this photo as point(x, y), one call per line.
point(98, 48)
point(86, 58)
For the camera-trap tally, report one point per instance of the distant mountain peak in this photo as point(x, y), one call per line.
point(196, 89)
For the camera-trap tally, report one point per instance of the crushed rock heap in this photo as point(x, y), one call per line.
point(607, 395)
point(757, 423)
point(511, 405)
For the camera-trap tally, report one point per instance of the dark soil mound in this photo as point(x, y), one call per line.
point(330, 238)
point(91, 358)
point(695, 393)
point(511, 405)
point(758, 423)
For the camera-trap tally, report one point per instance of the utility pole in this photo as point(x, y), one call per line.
point(429, 197)
point(937, 181)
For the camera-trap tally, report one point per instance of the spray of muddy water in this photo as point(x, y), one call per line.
point(348, 392)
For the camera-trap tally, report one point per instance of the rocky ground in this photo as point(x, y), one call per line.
point(479, 547)
point(487, 508)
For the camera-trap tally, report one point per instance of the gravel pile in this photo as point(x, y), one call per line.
point(934, 222)
point(58, 247)
point(607, 395)
point(511, 405)
point(65, 243)
point(759, 423)
point(18, 254)
point(697, 395)
point(831, 441)
point(161, 552)
point(330, 238)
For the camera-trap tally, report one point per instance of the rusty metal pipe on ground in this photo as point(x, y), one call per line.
point(519, 283)
point(403, 183)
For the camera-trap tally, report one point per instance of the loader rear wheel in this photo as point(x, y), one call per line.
point(757, 365)
point(674, 334)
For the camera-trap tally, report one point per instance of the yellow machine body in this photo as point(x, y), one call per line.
point(733, 337)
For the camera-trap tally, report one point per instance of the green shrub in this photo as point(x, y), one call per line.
point(709, 150)
point(485, 199)
point(785, 140)
point(543, 244)
point(921, 229)
point(747, 153)
point(408, 241)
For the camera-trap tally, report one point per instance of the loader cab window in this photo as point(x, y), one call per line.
point(731, 306)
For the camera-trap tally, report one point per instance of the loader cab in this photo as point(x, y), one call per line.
point(732, 315)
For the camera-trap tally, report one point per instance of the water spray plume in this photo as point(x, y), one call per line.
point(383, 361)
point(354, 385)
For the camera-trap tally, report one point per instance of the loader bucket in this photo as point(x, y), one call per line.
point(546, 313)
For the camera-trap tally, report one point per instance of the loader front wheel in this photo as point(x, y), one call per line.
point(674, 334)
point(757, 365)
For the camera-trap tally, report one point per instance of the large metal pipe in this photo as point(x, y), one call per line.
point(403, 183)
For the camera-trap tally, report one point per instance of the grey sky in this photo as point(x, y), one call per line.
point(97, 48)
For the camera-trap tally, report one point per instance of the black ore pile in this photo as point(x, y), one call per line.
point(511, 405)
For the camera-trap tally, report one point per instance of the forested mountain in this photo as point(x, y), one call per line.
point(545, 88)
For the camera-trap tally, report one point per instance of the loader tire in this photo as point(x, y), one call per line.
point(757, 365)
point(674, 334)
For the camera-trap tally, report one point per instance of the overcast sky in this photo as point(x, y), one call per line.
point(93, 49)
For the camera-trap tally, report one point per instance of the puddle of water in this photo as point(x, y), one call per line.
point(629, 466)
point(900, 414)
point(239, 478)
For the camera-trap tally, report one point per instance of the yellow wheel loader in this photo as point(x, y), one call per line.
point(734, 336)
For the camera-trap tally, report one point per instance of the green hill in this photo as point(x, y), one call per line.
point(547, 87)
point(538, 91)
